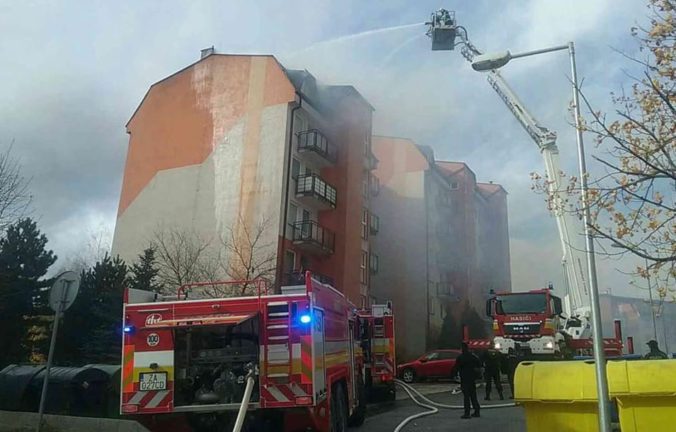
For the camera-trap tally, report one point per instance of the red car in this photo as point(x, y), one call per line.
point(434, 364)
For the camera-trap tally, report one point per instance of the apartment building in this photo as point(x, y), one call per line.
point(443, 240)
point(238, 146)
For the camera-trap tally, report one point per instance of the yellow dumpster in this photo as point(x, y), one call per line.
point(645, 391)
point(558, 395)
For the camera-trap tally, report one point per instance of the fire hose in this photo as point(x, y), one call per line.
point(245, 400)
point(432, 406)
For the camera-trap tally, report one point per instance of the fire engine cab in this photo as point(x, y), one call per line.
point(287, 361)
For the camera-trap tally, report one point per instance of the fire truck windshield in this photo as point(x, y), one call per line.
point(521, 303)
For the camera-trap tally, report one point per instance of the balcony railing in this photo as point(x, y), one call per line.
point(313, 187)
point(313, 237)
point(314, 142)
point(298, 278)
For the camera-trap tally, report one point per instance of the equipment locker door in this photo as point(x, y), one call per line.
point(319, 370)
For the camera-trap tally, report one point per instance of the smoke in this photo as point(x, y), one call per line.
point(73, 74)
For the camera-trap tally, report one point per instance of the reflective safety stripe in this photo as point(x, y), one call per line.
point(159, 397)
point(276, 394)
point(128, 369)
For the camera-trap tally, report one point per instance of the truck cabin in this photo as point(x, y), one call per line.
point(540, 302)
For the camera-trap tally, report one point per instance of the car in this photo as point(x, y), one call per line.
point(434, 364)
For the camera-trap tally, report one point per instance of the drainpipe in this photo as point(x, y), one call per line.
point(427, 261)
point(280, 269)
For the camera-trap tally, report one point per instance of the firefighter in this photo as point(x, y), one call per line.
point(655, 353)
point(492, 363)
point(469, 367)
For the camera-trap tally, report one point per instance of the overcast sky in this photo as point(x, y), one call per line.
point(73, 72)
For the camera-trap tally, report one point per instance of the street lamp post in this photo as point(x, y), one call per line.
point(487, 62)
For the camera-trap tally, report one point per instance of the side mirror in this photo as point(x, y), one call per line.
point(423, 360)
point(489, 308)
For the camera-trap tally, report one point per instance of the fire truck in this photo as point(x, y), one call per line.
point(286, 361)
point(529, 324)
point(377, 341)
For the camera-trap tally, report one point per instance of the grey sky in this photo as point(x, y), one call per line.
point(73, 72)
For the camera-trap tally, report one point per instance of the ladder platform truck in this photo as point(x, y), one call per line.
point(534, 321)
point(269, 361)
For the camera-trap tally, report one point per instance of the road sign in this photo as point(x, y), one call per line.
point(61, 297)
point(64, 291)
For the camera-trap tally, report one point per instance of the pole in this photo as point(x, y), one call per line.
point(540, 51)
point(652, 305)
point(50, 357)
point(597, 332)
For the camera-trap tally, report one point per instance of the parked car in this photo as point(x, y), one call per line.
point(434, 364)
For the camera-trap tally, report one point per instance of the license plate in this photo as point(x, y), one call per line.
point(153, 381)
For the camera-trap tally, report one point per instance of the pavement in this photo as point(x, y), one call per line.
point(388, 416)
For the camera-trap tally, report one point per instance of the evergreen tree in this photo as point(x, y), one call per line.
point(144, 272)
point(92, 326)
point(23, 263)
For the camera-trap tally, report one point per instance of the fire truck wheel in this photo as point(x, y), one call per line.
point(338, 409)
point(408, 375)
point(357, 418)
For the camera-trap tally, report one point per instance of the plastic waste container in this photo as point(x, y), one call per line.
point(645, 392)
point(557, 396)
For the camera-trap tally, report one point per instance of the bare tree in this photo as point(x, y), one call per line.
point(93, 249)
point(633, 200)
point(14, 194)
point(182, 257)
point(249, 254)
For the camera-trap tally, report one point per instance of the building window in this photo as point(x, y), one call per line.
point(365, 186)
point(289, 262)
point(375, 224)
point(374, 263)
point(454, 186)
point(365, 224)
point(375, 185)
point(295, 168)
point(363, 267)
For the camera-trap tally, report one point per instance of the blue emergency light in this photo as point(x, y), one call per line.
point(128, 329)
point(305, 319)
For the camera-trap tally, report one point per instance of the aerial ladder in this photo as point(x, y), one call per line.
point(443, 29)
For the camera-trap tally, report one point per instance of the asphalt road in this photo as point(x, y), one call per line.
point(385, 418)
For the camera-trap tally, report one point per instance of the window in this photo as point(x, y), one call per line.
point(375, 185)
point(306, 215)
point(375, 224)
point(289, 262)
point(295, 168)
point(432, 356)
point(446, 355)
point(374, 263)
point(365, 186)
point(363, 267)
point(454, 185)
point(365, 224)
point(292, 217)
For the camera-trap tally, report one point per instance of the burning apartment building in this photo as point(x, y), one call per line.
point(443, 241)
point(252, 169)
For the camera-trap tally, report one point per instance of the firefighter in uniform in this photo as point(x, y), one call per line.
point(492, 363)
point(469, 367)
point(655, 353)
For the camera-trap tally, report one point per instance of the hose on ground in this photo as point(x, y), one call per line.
point(445, 406)
point(431, 410)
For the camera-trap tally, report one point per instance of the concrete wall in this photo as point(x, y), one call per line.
point(206, 153)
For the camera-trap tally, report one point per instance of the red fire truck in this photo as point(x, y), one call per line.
point(530, 324)
point(290, 361)
point(377, 340)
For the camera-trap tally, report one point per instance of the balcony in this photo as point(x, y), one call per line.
point(313, 238)
point(316, 148)
point(313, 191)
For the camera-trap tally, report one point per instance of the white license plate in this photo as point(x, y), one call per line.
point(153, 381)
